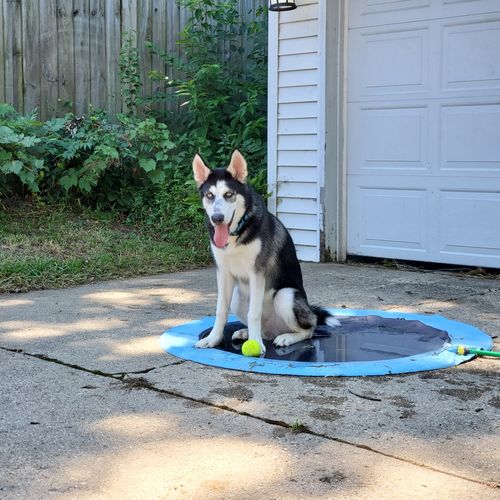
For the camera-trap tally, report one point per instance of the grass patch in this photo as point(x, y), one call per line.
point(298, 427)
point(55, 247)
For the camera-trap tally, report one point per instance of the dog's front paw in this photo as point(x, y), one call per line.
point(262, 349)
point(209, 341)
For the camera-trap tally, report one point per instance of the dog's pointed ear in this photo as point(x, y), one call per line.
point(200, 170)
point(238, 167)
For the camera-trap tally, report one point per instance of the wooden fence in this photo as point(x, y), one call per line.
point(55, 51)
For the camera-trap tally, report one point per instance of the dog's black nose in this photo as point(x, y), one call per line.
point(217, 218)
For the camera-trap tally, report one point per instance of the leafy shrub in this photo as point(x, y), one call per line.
point(19, 140)
point(99, 162)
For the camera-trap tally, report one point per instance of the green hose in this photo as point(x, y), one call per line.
point(461, 349)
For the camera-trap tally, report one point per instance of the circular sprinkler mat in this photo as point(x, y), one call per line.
point(366, 343)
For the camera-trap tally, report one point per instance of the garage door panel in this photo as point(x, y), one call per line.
point(378, 12)
point(471, 54)
point(470, 138)
point(388, 138)
point(393, 62)
point(374, 12)
point(450, 8)
point(390, 219)
point(469, 222)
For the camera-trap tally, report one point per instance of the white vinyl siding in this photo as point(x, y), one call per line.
point(294, 125)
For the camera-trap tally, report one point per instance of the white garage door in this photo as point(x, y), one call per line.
point(423, 134)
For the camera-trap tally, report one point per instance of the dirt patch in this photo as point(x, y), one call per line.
point(458, 374)
point(136, 383)
point(333, 477)
point(434, 375)
point(401, 402)
point(326, 414)
point(326, 399)
point(321, 381)
point(484, 374)
point(385, 379)
point(243, 378)
point(239, 392)
point(453, 381)
point(193, 404)
point(463, 394)
point(495, 402)
point(407, 413)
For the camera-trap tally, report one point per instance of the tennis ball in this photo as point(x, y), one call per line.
point(250, 348)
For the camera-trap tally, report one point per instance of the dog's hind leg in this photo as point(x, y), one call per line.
point(292, 308)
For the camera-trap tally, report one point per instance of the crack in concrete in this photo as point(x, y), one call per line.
point(44, 357)
point(115, 375)
point(122, 376)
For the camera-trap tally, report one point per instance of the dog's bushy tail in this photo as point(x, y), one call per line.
point(324, 317)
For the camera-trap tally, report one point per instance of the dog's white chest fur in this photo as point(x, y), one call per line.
point(238, 260)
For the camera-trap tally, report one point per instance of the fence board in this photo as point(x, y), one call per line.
point(173, 30)
point(7, 52)
point(8, 59)
point(13, 54)
point(129, 15)
point(2, 53)
point(52, 51)
point(97, 51)
point(48, 56)
point(159, 39)
point(65, 53)
point(82, 55)
point(31, 54)
point(113, 39)
point(144, 33)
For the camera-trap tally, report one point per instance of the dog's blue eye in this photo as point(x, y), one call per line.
point(210, 196)
point(228, 195)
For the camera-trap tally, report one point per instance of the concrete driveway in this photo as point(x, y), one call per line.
point(91, 407)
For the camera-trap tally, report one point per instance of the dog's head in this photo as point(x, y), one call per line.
point(223, 193)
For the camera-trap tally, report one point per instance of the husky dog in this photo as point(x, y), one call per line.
point(258, 273)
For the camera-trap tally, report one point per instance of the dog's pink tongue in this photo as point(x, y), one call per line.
point(221, 235)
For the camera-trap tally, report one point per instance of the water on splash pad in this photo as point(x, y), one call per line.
point(359, 338)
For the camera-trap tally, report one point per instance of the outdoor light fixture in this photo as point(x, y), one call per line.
point(281, 5)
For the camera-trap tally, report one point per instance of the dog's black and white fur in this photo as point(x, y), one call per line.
point(258, 273)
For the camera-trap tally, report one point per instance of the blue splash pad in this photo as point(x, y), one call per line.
point(365, 344)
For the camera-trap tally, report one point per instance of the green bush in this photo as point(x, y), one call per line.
point(21, 161)
point(88, 158)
